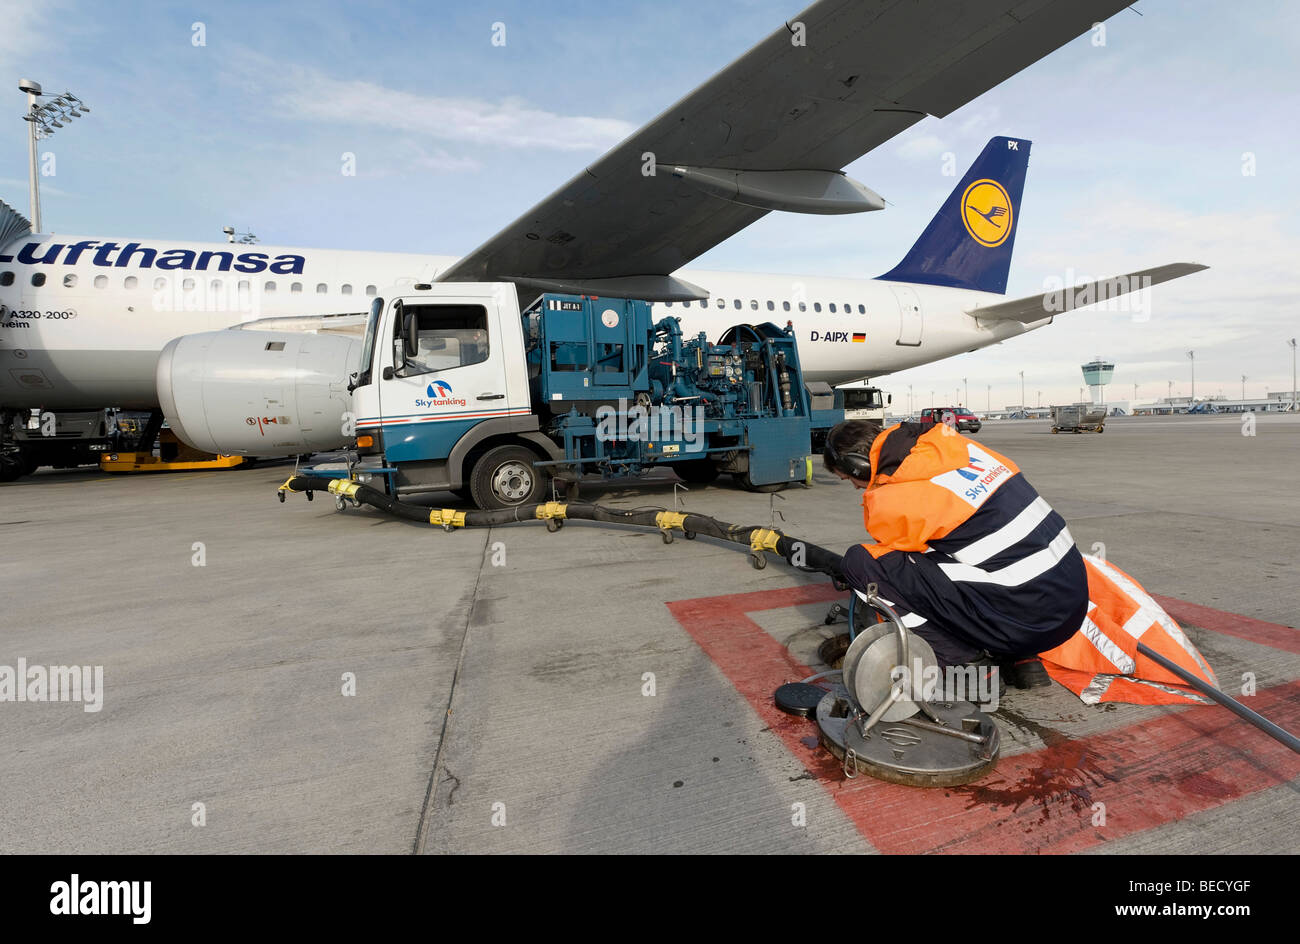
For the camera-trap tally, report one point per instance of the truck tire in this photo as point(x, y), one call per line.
point(742, 478)
point(504, 477)
point(696, 471)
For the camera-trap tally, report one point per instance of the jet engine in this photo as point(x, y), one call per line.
point(259, 393)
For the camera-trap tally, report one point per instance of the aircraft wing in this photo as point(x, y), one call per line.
point(1070, 297)
point(828, 86)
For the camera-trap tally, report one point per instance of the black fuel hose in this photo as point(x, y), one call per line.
point(798, 554)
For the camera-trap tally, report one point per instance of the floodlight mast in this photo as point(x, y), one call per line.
point(41, 120)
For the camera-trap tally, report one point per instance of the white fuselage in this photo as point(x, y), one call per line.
point(89, 334)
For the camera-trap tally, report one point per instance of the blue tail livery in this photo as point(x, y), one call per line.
point(968, 243)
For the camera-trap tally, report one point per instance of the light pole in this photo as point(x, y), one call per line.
point(1243, 391)
point(41, 122)
point(1040, 399)
point(1170, 398)
point(988, 398)
point(1191, 355)
point(1135, 393)
point(1022, 391)
point(966, 387)
point(909, 401)
point(1293, 392)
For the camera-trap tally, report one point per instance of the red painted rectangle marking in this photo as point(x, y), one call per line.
point(1273, 635)
point(1181, 762)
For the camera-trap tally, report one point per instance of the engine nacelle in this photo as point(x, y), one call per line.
point(258, 393)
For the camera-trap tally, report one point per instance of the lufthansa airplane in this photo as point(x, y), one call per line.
point(82, 320)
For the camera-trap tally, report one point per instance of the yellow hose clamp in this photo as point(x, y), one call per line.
point(447, 517)
point(344, 488)
point(553, 514)
point(551, 510)
point(760, 540)
point(667, 520)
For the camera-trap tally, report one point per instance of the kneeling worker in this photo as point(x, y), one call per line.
point(966, 552)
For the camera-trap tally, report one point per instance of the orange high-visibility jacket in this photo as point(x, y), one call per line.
point(1101, 661)
point(967, 544)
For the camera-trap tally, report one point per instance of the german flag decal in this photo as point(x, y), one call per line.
point(859, 337)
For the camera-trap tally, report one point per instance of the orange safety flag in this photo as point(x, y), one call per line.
point(1101, 661)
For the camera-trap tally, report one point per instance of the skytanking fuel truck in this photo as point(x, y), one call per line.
point(451, 387)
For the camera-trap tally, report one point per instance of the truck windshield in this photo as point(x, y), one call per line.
point(862, 398)
point(368, 344)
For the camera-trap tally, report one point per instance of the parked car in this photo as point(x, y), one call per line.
point(962, 418)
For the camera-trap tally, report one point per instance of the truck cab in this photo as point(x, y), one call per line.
point(443, 381)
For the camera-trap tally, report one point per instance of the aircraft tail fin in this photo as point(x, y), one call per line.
point(968, 243)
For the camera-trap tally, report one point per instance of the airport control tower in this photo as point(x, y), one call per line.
point(1096, 374)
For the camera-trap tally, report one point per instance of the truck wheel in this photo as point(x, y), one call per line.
point(504, 477)
point(745, 483)
point(696, 471)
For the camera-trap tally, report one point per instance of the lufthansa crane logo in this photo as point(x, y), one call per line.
point(986, 211)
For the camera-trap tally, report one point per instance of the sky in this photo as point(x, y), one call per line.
point(1170, 138)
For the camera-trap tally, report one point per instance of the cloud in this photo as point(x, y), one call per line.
point(23, 30)
point(311, 95)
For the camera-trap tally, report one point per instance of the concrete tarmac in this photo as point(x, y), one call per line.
point(522, 691)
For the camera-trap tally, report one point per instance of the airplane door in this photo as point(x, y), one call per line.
point(910, 316)
point(455, 380)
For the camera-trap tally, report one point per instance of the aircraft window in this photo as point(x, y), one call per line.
point(244, 285)
point(785, 306)
point(269, 287)
point(668, 304)
point(753, 304)
point(6, 278)
point(188, 285)
point(722, 303)
point(347, 289)
point(101, 281)
point(130, 282)
point(848, 308)
point(832, 308)
point(862, 309)
point(159, 284)
point(817, 306)
point(296, 288)
point(770, 305)
point(370, 290)
point(803, 306)
point(449, 336)
point(215, 285)
point(321, 288)
point(38, 279)
point(69, 281)
point(736, 303)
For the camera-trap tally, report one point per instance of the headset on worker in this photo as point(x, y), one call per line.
point(852, 464)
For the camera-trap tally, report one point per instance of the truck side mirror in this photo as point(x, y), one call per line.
point(889, 398)
point(411, 334)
